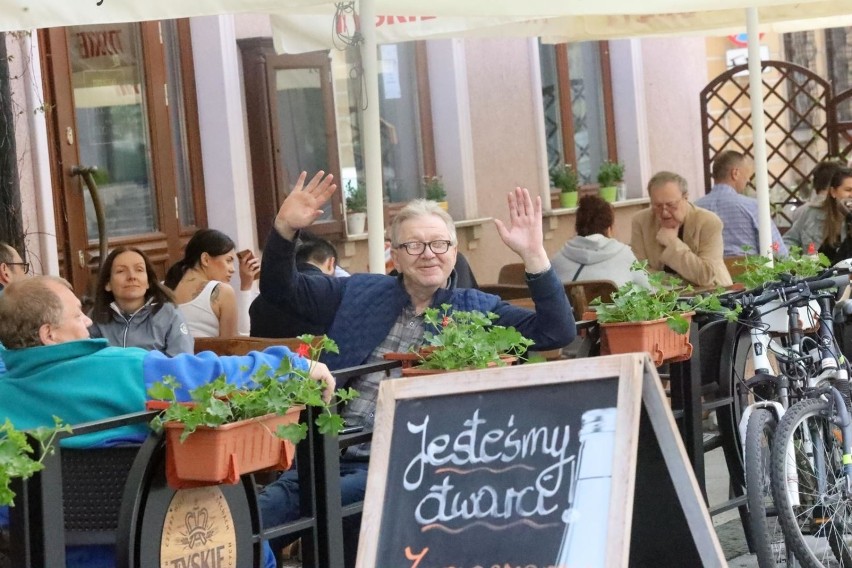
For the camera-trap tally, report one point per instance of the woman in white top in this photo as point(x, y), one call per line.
point(201, 283)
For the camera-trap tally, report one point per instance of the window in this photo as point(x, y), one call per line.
point(305, 113)
point(123, 98)
point(577, 94)
point(400, 90)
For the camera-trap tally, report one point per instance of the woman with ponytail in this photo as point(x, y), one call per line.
point(201, 283)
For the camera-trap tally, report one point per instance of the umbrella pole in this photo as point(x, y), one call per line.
point(755, 91)
point(372, 151)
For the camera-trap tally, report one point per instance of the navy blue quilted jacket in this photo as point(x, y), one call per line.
point(358, 312)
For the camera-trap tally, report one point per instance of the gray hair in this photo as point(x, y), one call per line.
point(664, 177)
point(7, 253)
point(421, 208)
point(25, 306)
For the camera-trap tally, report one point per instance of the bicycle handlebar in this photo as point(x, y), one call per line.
point(832, 278)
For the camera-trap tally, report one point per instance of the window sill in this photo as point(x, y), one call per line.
point(616, 205)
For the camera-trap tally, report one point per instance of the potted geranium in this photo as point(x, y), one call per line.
point(356, 207)
point(564, 179)
point(463, 340)
point(653, 319)
point(226, 431)
point(757, 270)
point(433, 189)
point(16, 452)
point(610, 174)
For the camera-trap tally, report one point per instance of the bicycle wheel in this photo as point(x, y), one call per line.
point(808, 485)
point(767, 536)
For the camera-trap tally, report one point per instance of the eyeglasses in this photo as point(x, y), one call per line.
point(416, 248)
point(26, 265)
point(671, 206)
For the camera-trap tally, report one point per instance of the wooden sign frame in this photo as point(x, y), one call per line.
point(642, 412)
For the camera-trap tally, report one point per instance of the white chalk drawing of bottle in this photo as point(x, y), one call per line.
point(584, 543)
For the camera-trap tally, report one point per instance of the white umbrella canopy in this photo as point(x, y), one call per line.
point(571, 19)
point(308, 29)
point(555, 20)
point(574, 20)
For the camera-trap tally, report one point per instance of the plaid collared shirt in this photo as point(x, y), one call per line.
point(407, 332)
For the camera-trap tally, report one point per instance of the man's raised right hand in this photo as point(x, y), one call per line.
point(304, 204)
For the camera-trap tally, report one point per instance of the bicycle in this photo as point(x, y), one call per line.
point(810, 456)
point(772, 387)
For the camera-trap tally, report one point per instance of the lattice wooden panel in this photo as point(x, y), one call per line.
point(796, 120)
point(840, 131)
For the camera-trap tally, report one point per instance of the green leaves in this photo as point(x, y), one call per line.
point(469, 340)
point(757, 271)
point(662, 300)
point(564, 178)
point(269, 392)
point(16, 452)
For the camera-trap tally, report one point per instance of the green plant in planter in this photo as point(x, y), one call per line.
point(219, 402)
point(610, 173)
point(16, 454)
point(564, 178)
point(433, 188)
point(466, 340)
point(663, 299)
point(356, 197)
point(757, 270)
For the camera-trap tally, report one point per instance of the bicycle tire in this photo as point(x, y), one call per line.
point(766, 533)
point(826, 542)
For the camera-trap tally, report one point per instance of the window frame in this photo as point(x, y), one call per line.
point(563, 77)
point(165, 245)
point(260, 63)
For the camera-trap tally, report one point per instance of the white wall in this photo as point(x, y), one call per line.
point(675, 71)
point(32, 150)
point(230, 205)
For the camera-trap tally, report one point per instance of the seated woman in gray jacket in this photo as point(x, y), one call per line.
point(132, 308)
point(593, 254)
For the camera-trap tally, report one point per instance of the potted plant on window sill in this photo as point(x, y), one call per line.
point(433, 189)
point(356, 208)
point(462, 340)
point(16, 459)
point(610, 175)
point(225, 431)
point(654, 319)
point(564, 178)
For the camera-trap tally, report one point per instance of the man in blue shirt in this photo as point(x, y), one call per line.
point(731, 172)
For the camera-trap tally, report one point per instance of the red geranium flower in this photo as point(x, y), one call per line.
point(303, 350)
point(446, 321)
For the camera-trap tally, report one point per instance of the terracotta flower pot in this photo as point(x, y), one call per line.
point(221, 455)
point(653, 337)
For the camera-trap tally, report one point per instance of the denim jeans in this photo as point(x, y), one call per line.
point(279, 504)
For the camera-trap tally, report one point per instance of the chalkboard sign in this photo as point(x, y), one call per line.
point(529, 466)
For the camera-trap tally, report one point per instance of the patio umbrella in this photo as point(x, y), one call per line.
point(554, 19)
point(721, 21)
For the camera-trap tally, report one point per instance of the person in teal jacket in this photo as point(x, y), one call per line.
point(53, 368)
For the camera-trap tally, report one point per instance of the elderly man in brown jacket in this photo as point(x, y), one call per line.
point(676, 236)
